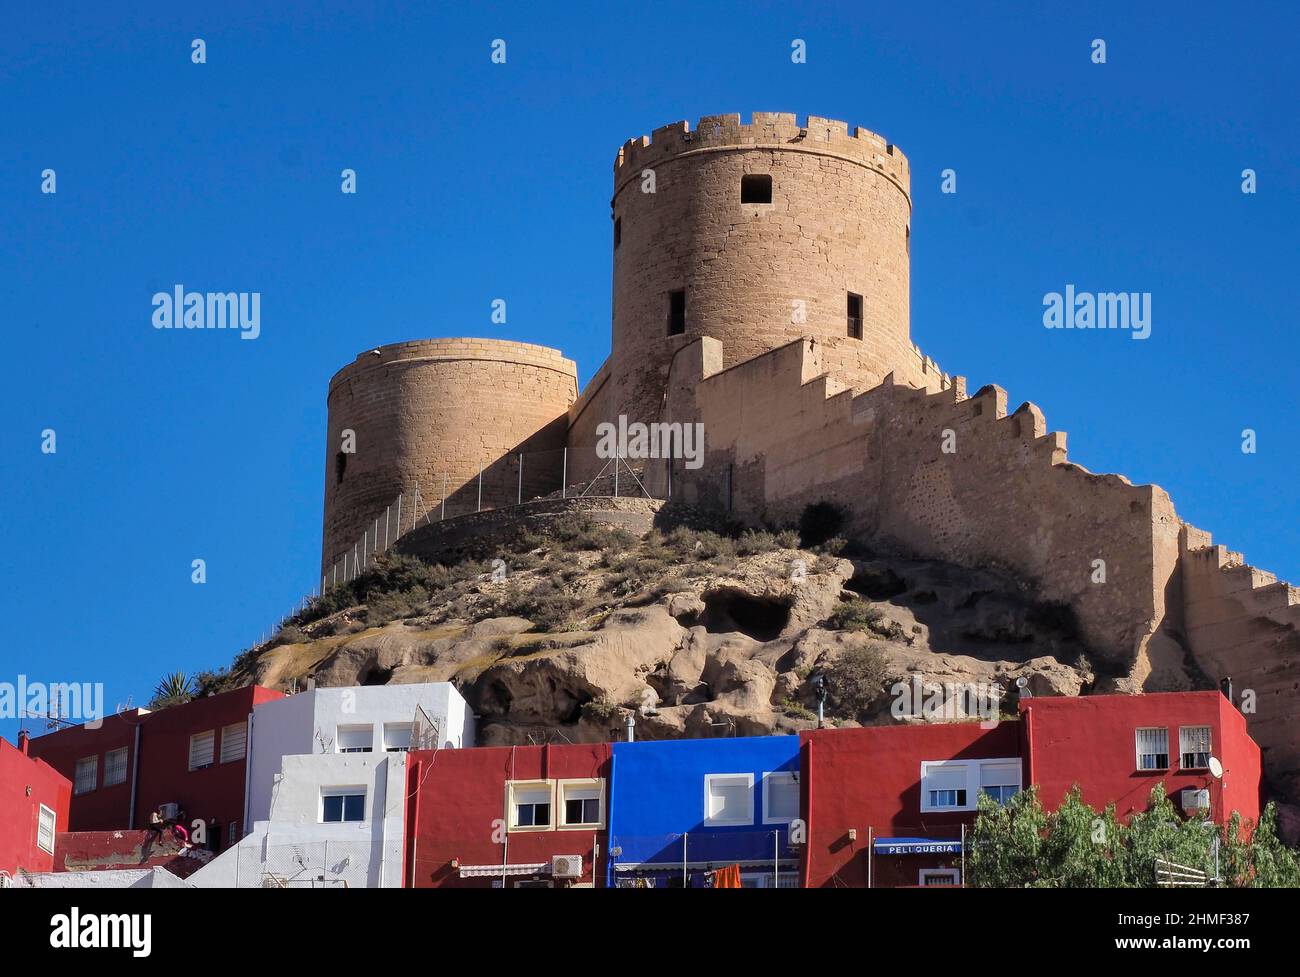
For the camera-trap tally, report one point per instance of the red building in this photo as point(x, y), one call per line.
point(498, 816)
point(191, 755)
point(1118, 747)
point(886, 805)
point(33, 809)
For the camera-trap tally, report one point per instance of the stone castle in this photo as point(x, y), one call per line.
point(760, 288)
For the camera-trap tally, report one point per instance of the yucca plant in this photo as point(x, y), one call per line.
point(174, 690)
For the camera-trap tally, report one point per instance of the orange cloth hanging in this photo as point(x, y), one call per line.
point(727, 878)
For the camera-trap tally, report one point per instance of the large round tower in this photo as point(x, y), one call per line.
point(757, 235)
point(429, 413)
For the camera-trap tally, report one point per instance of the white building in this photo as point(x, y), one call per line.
point(338, 820)
point(355, 720)
point(326, 792)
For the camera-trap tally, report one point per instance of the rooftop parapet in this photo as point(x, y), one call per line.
point(767, 130)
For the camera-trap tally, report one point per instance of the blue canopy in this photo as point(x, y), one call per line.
point(917, 846)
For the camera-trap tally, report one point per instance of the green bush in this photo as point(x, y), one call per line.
point(856, 682)
point(857, 615)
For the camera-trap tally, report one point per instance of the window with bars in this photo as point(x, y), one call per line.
point(234, 741)
point(1194, 745)
point(45, 829)
point(87, 775)
point(1153, 748)
point(202, 747)
point(115, 767)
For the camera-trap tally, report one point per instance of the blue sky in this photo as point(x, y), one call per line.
point(478, 181)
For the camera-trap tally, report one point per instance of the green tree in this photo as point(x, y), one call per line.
point(1019, 845)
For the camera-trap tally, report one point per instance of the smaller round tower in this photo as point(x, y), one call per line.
point(421, 411)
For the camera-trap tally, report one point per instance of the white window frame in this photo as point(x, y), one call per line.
point(1137, 749)
point(212, 756)
point(513, 786)
point(784, 777)
point(712, 822)
point(1019, 781)
point(968, 771)
point(345, 790)
point(243, 750)
point(561, 818)
point(971, 770)
point(108, 766)
point(342, 728)
point(1183, 751)
point(951, 873)
point(54, 828)
point(410, 737)
point(77, 788)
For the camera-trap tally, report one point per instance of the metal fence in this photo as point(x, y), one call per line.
point(689, 859)
point(517, 478)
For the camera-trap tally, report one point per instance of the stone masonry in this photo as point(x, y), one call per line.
point(801, 404)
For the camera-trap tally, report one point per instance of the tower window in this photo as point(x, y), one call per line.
point(756, 188)
point(618, 231)
point(677, 312)
point(340, 465)
point(855, 316)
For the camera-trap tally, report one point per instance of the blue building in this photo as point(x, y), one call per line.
point(680, 809)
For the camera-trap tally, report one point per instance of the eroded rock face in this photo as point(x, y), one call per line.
point(732, 653)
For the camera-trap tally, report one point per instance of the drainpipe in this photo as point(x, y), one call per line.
point(631, 728)
point(248, 779)
point(135, 776)
point(806, 773)
point(612, 841)
point(414, 777)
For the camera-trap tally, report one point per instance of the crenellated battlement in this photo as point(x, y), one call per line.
point(766, 130)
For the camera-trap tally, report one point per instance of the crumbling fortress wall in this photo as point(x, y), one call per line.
point(760, 288)
point(435, 408)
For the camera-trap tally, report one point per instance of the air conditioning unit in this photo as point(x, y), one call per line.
point(1194, 799)
point(566, 866)
point(168, 812)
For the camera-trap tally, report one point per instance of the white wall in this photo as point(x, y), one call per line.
point(127, 878)
point(295, 847)
point(308, 723)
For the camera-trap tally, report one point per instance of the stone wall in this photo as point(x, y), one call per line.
point(1243, 623)
point(781, 433)
point(442, 407)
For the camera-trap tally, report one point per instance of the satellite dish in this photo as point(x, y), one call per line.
point(1216, 768)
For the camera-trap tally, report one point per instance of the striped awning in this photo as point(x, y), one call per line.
point(496, 871)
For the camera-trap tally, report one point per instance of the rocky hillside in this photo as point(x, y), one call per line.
point(564, 629)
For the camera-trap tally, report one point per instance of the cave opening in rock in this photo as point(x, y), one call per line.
point(876, 583)
point(761, 618)
point(374, 675)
